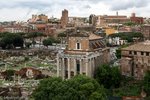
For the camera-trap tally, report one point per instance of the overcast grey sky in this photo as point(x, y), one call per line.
point(21, 10)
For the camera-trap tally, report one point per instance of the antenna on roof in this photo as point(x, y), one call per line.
point(117, 13)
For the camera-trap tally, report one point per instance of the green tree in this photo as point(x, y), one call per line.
point(146, 82)
point(108, 76)
point(62, 35)
point(50, 41)
point(2, 34)
point(47, 42)
point(28, 44)
point(128, 36)
point(39, 34)
point(11, 40)
point(34, 35)
point(78, 88)
point(118, 51)
point(18, 40)
point(8, 74)
point(130, 24)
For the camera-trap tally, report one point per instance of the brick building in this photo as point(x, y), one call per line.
point(15, 29)
point(84, 53)
point(146, 31)
point(46, 29)
point(137, 20)
point(107, 20)
point(135, 60)
point(78, 21)
point(64, 18)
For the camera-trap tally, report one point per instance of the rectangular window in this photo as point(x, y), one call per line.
point(147, 53)
point(78, 45)
point(130, 52)
point(142, 53)
point(135, 53)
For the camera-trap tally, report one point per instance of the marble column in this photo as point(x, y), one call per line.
point(90, 67)
point(86, 65)
point(63, 68)
point(58, 69)
point(69, 68)
point(75, 70)
point(81, 66)
point(93, 67)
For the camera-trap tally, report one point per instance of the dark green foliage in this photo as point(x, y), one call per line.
point(34, 34)
point(47, 42)
point(18, 40)
point(146, 82)
point(56, 41)
point(50, 41)
point(77, 88)
point(62, 35)
point(26, 58)
point(118, 51)
point(3, 34)
point(130, 24)
point(8, 74)
point(129, 89)
point(128, 36)
point(108, 76)
point(28, 44)
point(11, 40)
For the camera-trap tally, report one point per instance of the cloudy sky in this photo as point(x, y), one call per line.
point(21, 10)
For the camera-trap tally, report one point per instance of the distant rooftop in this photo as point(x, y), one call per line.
point(91, 36)
point(94, 36)
point(143, 46)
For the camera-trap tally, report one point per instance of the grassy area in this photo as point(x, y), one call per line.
point(1, 83)
point(132, 89)
point(28, 64)
point(129, 87)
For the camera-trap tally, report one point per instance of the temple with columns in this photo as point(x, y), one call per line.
point(83, 54)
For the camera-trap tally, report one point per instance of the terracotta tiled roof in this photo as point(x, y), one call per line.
point(94, 36)
point(143, 46)
point(97, 44)
point(79, 34)
point(40, 25)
